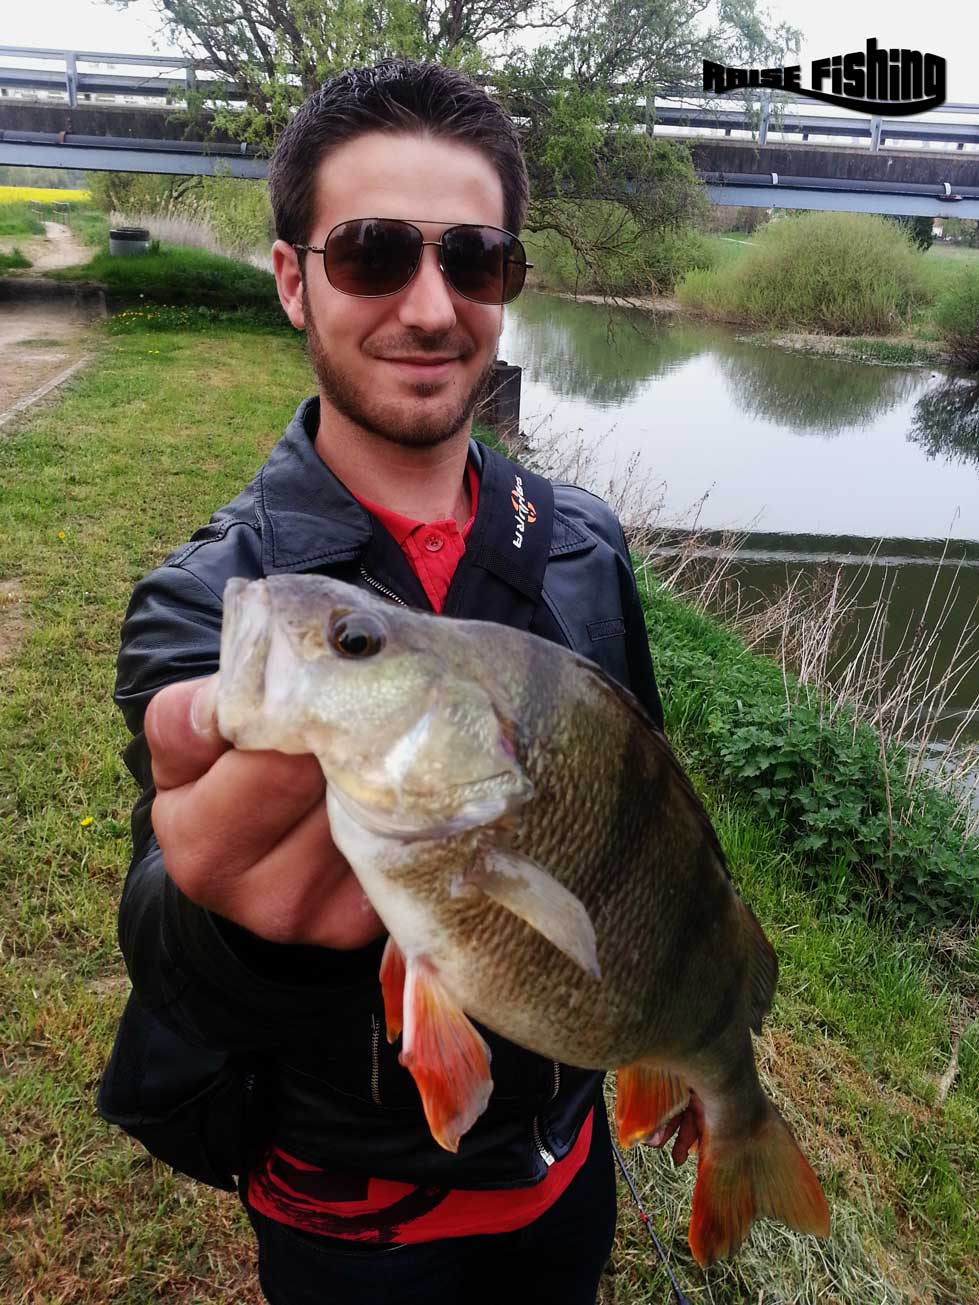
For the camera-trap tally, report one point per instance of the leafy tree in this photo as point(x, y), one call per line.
point(581, 90)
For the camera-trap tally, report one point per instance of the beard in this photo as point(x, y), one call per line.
point(393, 421)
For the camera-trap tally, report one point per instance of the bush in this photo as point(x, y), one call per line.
point(629, 262)
point(836, 806)
point(957, 318)
point(843, 273)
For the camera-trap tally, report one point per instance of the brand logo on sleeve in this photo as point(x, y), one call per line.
point(525, 514)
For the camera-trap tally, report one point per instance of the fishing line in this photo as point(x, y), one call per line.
point(681, 1299)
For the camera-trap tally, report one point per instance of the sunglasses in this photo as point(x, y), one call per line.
point(373, 257)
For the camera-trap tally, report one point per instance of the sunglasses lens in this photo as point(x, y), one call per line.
point(373, 257)
point(484, 263)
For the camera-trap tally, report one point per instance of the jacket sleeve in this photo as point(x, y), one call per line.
point(211, 981)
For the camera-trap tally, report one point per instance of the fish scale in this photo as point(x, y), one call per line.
point(543, 867)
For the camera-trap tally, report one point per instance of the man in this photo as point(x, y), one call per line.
point(397, 191)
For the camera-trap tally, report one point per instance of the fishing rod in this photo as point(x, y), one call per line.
point(680, 1298)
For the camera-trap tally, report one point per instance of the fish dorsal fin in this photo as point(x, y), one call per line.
point(762, 968)
point(530, 892)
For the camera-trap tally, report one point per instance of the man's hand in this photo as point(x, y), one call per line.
point(688, 1126)
point(246, 834)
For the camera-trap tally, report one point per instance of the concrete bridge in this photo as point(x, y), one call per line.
point(122, 112)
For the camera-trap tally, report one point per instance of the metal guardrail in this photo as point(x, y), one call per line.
point(675, 108)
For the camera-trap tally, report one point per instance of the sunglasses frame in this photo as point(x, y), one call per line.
point(410, 222)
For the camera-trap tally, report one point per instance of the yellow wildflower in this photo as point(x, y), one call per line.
point(88, 820)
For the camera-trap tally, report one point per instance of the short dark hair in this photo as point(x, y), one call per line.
point(395, 95)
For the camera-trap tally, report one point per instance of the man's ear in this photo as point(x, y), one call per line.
point(289, 282)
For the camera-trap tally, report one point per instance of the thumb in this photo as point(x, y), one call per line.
point(182, 732)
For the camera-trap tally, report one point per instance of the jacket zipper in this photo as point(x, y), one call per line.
point(545, 1155)
point(381, 589)
point(375, 1060)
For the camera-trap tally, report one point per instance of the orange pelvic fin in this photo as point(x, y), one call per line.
point(393, 987)
point(445, 1055)
point(764, 1174)
point(645, 1098)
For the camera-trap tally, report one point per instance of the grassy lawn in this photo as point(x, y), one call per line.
point(179, 276)
point(165, 425)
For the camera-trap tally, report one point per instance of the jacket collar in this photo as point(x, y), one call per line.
point(310, 520)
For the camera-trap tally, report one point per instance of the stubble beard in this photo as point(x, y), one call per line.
point(391, 422)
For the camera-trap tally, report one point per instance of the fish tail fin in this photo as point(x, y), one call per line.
point(764, 1173)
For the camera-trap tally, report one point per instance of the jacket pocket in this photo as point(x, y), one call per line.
point(194, 1108)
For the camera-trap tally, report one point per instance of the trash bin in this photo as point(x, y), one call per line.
point(128, 240)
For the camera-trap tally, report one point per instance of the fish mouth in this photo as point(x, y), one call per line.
point(397, 823)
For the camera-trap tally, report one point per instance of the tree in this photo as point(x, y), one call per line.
point(580, 89)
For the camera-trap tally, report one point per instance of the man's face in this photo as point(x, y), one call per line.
point(355, 343)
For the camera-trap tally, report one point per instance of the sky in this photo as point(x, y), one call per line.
point(949, 28)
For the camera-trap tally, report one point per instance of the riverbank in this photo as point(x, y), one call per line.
point(717, 295)
point(168, 422)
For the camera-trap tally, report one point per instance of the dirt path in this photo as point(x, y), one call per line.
point(41, 340)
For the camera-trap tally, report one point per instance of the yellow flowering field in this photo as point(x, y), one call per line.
point(42, 195)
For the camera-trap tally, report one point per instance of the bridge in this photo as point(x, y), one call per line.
point(129, 113)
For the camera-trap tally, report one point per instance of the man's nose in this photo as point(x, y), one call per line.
point(426, 302)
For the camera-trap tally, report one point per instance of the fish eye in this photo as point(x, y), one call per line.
point(357, 635)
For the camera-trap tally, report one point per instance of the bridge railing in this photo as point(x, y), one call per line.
point(172, 78)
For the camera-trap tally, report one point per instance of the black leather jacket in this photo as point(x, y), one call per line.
point(340, 1097)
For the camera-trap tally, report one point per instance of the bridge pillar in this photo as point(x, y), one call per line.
point(766, 113)
point(71, 78)
point(876, 123)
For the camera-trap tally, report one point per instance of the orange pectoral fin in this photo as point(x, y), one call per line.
point(646, 1098)
point(393, 988)
point(445, 1056)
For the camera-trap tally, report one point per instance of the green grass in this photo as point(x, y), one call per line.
point(19, 220)
point(13, 259)
point(178, 276)
point(163, 427)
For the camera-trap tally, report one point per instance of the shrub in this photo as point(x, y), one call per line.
point(860, 832)
point(957, 318)
point(845, 273)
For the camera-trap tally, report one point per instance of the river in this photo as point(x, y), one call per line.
point(819, 463)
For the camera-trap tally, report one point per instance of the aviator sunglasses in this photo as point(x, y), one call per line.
point(373, 257)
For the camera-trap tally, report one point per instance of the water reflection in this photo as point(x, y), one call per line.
point(813, 395)
point(586, 351)
point(946, 421)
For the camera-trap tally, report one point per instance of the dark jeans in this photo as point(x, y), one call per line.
point(556, 1260)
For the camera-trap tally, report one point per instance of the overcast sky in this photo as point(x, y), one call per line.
point(949, 28)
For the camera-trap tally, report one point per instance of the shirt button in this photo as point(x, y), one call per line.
point(434, 542)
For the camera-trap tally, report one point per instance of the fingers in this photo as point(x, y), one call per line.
point(182, 732)
point(234, 815)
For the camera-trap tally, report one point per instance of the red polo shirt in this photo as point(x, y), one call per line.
point(375, 1209)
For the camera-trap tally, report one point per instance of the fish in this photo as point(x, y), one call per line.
point(542, 865)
